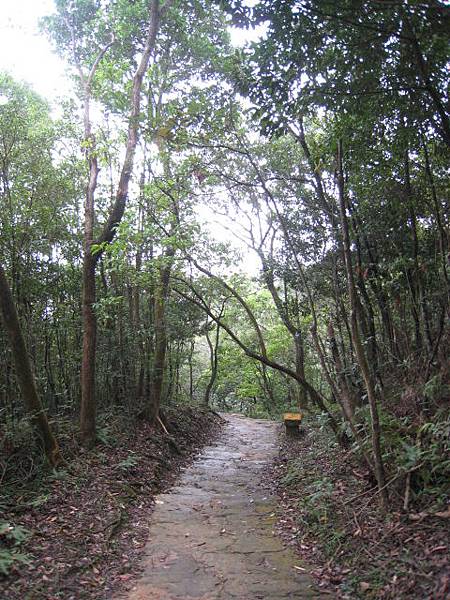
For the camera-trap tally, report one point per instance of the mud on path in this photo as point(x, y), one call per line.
point(211, 536)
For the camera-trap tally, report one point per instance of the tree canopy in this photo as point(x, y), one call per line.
point(320, 149)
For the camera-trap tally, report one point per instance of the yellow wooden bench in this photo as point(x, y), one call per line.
point(292, 423)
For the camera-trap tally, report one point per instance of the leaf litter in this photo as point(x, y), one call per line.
point(87, 524)
point(328, 513)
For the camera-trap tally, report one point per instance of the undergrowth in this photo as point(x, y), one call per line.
point(331, 511)
point(89, 518)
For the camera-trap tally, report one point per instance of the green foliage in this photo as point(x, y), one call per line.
point(59, 475)
point(105, 435)
point(435, 389)
point(12, 558)
point(311, 81)
point(315, 505)
point(129, 462)
point(431, 479)
point(39, 500)
point(420, 449)
point(314, 502)
point(14, 533)
point(344, 58)
point(12, 536)
point(293, 474)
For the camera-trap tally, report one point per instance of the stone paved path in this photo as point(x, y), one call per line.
point(211, 535)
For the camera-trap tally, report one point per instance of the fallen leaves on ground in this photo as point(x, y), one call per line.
point(88, 523)
point(329, 514)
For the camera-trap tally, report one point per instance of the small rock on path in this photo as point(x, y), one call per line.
point(211, 535)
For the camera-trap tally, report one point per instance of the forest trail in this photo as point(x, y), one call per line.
point(211, 535)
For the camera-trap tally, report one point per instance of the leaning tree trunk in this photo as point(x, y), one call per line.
point(25, 375)
point(315, 396)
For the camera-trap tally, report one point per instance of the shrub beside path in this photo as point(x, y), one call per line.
point(211, 536)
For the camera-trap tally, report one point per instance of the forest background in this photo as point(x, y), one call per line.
point(321, 147)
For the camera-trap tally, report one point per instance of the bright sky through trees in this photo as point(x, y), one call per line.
point(27, 54)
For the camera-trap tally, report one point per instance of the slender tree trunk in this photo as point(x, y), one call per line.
point(359, 350)
point(301, 392)
point(52, 394)
point(348, 415)
point(88, 402)
point(268, 386)
point(369, 330)
point(191, 370)
point(377, 288)
point(25, 375)
point(178, 391)
point(157, 377)
point(173, 373)
point(443, 235)
point(88, 399)
point(62, 367)
point(136, 299)
point(413, 275)
point(213, 359)
point(348, 397)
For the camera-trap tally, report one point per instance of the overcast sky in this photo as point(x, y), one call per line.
point(27, 54)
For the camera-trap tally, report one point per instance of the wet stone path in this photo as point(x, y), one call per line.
point(211, 535)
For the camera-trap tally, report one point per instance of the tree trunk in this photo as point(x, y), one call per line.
point(191, 370)
point(302, 396)
point(344, 386)
point(359, 350)
point(413, 275)
point(213, 358)
point(25, 375)
point(157, 377)
point(348, 415)
point(443, 235)
point(88, 399)
point(88, 403)
point(136, 300)
point(282, 309)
